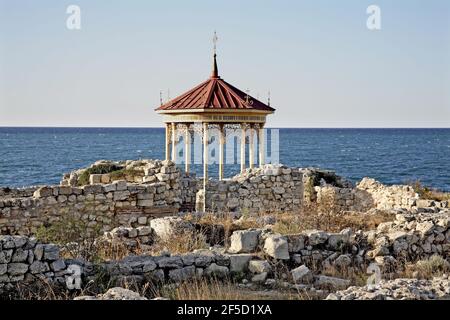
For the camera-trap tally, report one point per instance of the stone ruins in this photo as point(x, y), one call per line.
point(138, 201)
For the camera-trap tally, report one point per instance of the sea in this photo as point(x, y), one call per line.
point(39, 156)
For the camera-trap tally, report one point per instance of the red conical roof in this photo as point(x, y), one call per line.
point(215, 93)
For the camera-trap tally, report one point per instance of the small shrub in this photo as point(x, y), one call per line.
point(123, 173)
point(428, 193)
point(428, 268)
point(103, 168)
point(73, 234)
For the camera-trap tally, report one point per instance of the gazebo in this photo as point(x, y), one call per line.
point(215, 103)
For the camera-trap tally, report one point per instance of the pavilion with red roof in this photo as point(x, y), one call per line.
point(215, 103)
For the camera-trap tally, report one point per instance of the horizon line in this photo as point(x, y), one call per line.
point(276, 127)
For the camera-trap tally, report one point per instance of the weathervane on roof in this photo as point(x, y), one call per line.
point(268, 98)
point(215, 39)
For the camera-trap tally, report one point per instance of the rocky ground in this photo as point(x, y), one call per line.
point(398, 289)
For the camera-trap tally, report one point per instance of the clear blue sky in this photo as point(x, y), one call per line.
point(322, 65)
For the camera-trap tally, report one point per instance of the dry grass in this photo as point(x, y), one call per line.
point(213, 289)
point(356, 276)
point(183, 242)
point(311, 217)
point(429, 193)
point(434, 266)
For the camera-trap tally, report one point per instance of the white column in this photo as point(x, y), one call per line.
point(167, 141)
point(174, 137)
point(205, 162)
point(187, 149)
point(243, 148)
point(261, 145)
point(251, 150)
point(205, 153)
point(221, 143)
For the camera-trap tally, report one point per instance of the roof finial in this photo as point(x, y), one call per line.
point(215, 72)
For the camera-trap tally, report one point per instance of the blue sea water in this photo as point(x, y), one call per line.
point(35, 156)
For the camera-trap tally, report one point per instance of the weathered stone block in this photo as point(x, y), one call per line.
point(302, 274)
point(43, 192)
point(244, 241)
point(58, 265)
point(95, 178)
point(39, 267)
point(170, 262)
point(277, 247)
point(239, 262)
point(259, 266)
point(51, 252)
point(15, 269)
point(183, 274)
point(216, 271)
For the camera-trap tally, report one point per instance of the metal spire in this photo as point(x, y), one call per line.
point(215, 72)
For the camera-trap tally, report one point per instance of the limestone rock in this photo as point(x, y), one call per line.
point(239, 262)
point(178, 275)
point(216, 271)
point(332, 283)
point(277, 247)
point(166, 228)
point(244, 241)
point(259, 278)
point(302, 274)
point(259, 266)
point(15, 269)
point(116, 293)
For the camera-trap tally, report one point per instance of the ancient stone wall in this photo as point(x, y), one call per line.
point(154, 187)
point(17, 192)
point(131, 171)
point(106, 206)
point(367, 194)
point(268, 189)
point(409, 238)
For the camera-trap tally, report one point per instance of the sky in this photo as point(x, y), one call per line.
point(322, 65)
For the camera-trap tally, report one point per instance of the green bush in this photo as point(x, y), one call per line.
point(83, 179)
point(73, 234)
point(121, 174)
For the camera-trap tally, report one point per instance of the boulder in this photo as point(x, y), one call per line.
point(259, 266)
point(343, 261)
point(302, 274)
point(216, 271)
point(259, 278)
point(239, 262)
point(244, 241)
point(296, 242)
point(39, 267)
point(316, 237)
point(183, 274)
point(166, 228)
point(170, 262)
point(277, 247)
point(15, 269)
point(51, 252)
point(330, 283)
point(117, 293)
